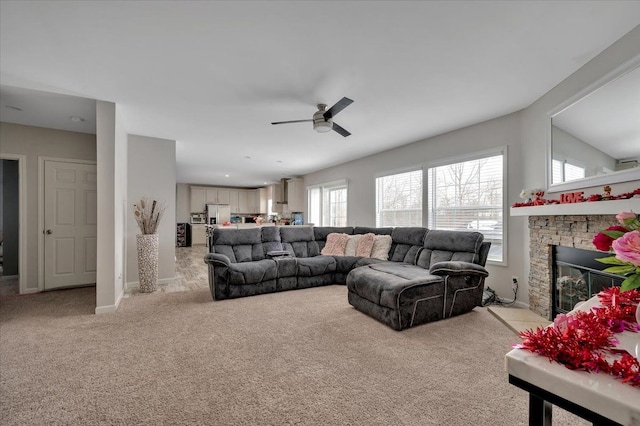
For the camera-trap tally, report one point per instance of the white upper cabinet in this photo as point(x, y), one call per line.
point(253, 201)
point(198, 199)
point(223, 196)
point(263, 204)
point(233, 201)
point(243, 202)
point(295, 195)
point(212, 196)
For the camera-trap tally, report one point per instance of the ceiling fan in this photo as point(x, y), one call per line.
point(323, 118)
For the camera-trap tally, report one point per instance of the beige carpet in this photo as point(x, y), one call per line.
point(301, 357)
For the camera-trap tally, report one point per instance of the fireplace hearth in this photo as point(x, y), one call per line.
point(577, 277)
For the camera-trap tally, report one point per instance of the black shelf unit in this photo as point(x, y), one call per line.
point(183, 235)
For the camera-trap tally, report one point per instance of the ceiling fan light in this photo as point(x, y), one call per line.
point(320, 123)
point(322, 127)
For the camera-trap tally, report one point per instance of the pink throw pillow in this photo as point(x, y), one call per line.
point(365, 245)
point(335, 245)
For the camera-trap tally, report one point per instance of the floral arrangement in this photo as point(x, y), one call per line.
point(624, 240)
point(585, 340)
point(533, 197)
point(148, 214)
point(258, 220)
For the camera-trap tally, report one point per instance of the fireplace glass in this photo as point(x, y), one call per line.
point(578, 277)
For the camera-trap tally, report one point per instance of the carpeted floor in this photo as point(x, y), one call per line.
point(302, 357)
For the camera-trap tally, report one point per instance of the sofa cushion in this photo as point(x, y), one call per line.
point(271, 239)
point(407, 244)
point(336, 244)
point(442, 246)
point(239, 245)
point(252, 272)
point(376, 231)
point(381, 246)
point(317, 265)
point(382, 283)
point(299, 241)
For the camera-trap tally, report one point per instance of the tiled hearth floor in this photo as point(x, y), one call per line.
point(518, 319)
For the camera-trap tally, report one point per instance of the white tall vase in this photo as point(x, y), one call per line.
point(147, 245)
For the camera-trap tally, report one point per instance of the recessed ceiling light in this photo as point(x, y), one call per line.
point(76, 119)
point(264, 183)
point(226, 175)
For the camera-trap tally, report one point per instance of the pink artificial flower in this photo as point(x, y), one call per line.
point(627, 247)
point(603, 241)
point(623, 217)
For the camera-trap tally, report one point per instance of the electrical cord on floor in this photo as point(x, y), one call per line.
point(489, 296)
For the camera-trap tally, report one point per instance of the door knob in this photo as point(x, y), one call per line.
point(49, 232)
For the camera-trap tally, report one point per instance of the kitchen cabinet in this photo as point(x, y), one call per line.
point(253, 201)
point(243, 202)
point(212, 196)
point(233, 201)
point(198, 234)
point(263, 200)
point(223, 196)
point(276, 198)
point(295, 195)
point(198, 199)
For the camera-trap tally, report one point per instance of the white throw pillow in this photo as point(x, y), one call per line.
point(352, 244)
point(381, 246)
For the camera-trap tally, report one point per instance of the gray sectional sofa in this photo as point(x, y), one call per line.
point(429, 275)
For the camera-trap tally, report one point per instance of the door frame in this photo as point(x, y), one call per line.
point(41, 161)
point(22, 217)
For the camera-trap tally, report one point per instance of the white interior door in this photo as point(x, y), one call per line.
point(70, 201)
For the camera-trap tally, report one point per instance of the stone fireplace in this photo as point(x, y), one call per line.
point(548, 231)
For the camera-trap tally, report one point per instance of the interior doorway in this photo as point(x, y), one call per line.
point(9, 227)
point(70, 223)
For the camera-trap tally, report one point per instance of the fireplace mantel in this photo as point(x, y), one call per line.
point(586, 208)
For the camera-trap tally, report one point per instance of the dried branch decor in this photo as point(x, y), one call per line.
point(148, 214)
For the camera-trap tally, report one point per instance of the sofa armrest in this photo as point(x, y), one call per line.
point(458, 268)
point(217, 259)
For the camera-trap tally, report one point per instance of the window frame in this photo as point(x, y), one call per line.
point(477, 155)
point(399, 172)
point(324, 208)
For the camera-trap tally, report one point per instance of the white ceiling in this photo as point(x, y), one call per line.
point(213, 75)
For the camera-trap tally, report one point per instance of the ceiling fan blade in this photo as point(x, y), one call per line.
point(341, 130)
point(339, 106)
point(293, 121)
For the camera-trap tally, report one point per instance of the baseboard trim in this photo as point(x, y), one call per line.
point(109, 308)
point(9, 277)
point(134, 285)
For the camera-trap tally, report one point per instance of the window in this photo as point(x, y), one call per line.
point(468, 195)
point(328, 204)
point(564, 171)
point(399, 199)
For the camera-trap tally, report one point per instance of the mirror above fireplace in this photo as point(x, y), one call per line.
point(594, 137)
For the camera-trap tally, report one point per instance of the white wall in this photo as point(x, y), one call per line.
point(111, 139)
point(33, 142)
point(503, 131)
point(577, 152)
point(152, 174)
point(183, 203)
point(535, 120)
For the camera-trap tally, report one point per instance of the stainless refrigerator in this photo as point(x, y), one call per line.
point(217, 214)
